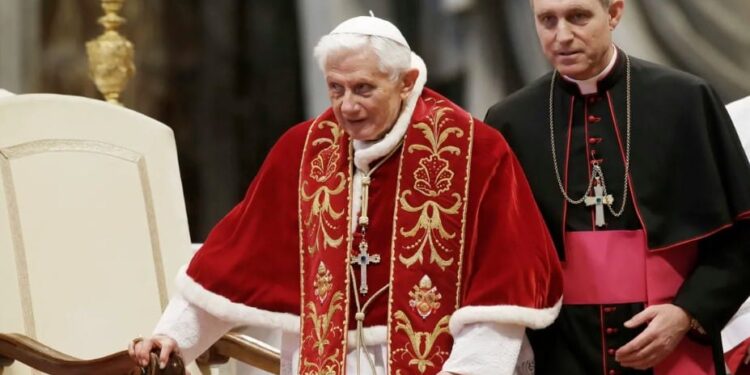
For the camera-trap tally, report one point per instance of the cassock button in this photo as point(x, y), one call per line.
point(594, 119)
point(592, 99)
point(610, 309)
point(611, 331)
point(594, 140)
point(598, 161)
point(612, 372)
point(611, 351)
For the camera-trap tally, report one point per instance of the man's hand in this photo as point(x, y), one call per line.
point(667, 325)
point(140, 350)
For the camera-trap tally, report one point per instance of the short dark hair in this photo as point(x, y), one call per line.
point(605, 3)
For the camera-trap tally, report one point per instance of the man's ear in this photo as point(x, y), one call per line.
point(408, 79)
point(615, 13)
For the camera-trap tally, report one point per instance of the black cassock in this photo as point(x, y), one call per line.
point(690, 184)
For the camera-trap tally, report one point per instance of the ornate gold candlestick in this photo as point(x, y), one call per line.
point(111, 54)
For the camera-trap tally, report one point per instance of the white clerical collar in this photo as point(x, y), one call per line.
point(590, 86)
point(367, 152)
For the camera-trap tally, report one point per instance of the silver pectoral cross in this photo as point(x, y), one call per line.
point(363, 259)
point(599, 200)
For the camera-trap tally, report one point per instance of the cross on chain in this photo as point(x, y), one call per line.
point(599, 200)
point(363, 259)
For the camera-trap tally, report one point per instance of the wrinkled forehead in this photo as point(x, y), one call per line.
point(357, 63)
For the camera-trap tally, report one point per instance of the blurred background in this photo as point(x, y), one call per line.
point(230, 76)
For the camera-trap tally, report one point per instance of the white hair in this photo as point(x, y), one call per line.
point(393, 58)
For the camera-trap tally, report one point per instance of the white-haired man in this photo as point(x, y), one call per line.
point(642, 181)
point(393, 234)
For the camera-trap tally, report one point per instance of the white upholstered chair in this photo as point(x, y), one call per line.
point(93, 225)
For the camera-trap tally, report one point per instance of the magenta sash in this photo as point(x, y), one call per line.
point(612, 267)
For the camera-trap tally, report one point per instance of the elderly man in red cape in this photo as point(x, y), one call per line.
point(392, 234)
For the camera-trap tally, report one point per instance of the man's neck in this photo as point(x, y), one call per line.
point(589, 85)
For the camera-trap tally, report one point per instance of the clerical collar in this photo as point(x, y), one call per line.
point(367, 152)
point(600, 82)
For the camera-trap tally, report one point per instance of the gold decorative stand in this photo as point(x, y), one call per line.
point(111, 55)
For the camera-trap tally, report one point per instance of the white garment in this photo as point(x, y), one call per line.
point(738, 328)
point(739, 110)
point(5, 93)
point(591, 85)
point(480, 348)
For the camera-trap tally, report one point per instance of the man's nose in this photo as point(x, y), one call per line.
point(564, 34)
point(349, 103)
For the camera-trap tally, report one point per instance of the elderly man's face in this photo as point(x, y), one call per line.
point(365, 101)
point(576, 35)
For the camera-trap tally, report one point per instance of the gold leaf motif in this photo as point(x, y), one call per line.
point(425, 298)
point(328, 366)
point(322, 330)
point(433, 177)
point(323, 282)
point(322, 213)
point(324, 165)
point(429, 223)
point(421, 349)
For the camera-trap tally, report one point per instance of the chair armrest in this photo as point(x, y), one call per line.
point(244, 349)
point(17, 347)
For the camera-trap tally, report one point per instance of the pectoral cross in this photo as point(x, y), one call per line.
point(599, 199)
point(363, 259)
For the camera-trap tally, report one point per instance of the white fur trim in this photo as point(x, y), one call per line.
point(367, 152)
point(504, 314)
point(222, 308)
point(375, 335)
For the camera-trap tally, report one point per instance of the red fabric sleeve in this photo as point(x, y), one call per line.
point(251, 255)
point(511, 259)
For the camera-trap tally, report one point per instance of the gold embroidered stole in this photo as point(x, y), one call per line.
point(427, 243)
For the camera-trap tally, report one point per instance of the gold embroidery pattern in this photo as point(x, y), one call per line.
point(322, 213)
point(425, 298)
point(432, 178)
point(421, 348)
point(323, 282)
point(322, 332)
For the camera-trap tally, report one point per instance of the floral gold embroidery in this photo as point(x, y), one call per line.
point(328, 366)
point(322, 283)
point(432, 178)
point(421, 348)
point(324, 165)
point(425, 298)
point(322, 213)
point(429, 222)
point(322, 323)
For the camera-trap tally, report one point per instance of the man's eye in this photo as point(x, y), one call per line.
point(334, 87)
point(578, 18)
point(548, 21)
point(363, 88)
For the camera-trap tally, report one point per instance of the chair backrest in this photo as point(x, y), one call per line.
point(93, 224)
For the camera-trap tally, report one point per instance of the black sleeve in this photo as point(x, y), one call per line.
point(720, 282)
